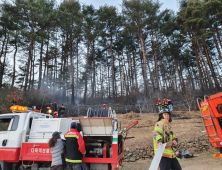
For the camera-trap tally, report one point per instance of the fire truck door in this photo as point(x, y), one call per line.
point(5, 125)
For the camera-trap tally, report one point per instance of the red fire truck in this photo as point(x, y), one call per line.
point(211, 110)
point(24, 136)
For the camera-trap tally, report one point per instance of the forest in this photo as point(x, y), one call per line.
point(77, 54)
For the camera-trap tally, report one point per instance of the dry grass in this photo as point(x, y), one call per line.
point(185, 125)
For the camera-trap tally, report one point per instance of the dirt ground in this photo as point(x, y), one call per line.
point(204, 161)
point(185, 125)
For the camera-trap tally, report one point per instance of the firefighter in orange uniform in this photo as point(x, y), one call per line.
point(14, 102)
point(164, 104)
point(104, 106)
point(55, 114)
point(75, 148)
point(61, 110)
point(55, 105)
point(159, 105)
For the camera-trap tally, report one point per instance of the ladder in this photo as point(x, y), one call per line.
point(208, 117)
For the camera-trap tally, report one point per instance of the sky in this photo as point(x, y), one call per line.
point(170, 4)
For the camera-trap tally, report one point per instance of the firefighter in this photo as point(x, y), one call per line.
point(75, 148)
point(49, 110)
point(162, 134)
point(55, 105)
point(104, 106)
point(170, 104)
point(55, 114)
point(61, 110)
point(159, 105)
point(14, 101)
point(164, 104)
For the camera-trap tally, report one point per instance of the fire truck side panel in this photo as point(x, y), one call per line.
point(36, 152)
point(9, 154)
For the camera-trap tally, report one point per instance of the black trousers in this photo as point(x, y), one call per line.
point(169, 164)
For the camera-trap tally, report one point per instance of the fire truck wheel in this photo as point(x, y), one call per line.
point(4, 166)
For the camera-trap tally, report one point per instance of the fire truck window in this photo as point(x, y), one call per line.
point(4, 124)
point(15, 123)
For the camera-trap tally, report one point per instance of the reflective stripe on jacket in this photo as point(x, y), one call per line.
point(162, 131)
point(164, 104)
point(62, 109)
point(75, 146)
point(159, 104)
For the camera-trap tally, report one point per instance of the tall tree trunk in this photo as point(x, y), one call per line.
point(45, 74)
point(120, 73)
point(77, 67)
point(199, 69)
point(163, 73)
point(218, 49)
point(128, 63)
point(3, 45)
point(127, 79)
point(210, 65)
point(156, 64)
point(135, 72)
point(113, 74)
point(144, 62)
point(64, 67)
point(94, 71)
point(206, 80)
point(14, 62)
point(33, 66)
point(205, 63)
point(218, 36)
point(40, 66)
point(178, 72)
point(72, 71)
point(87, 61)
point(1, 64)
point(28, 64)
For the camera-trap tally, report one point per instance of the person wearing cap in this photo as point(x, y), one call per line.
point(57, 150)
point(104, 106)
point(162, 134)
point(75, 148)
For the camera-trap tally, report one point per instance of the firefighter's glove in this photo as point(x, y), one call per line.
point(174, 143)
point(160, 142)
point(175, 140)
